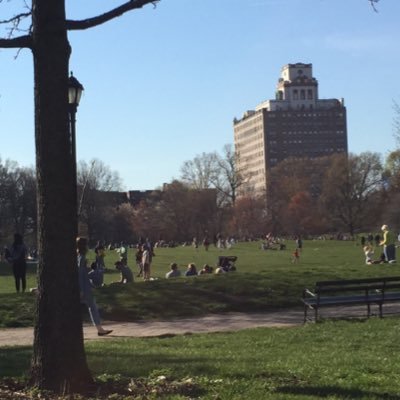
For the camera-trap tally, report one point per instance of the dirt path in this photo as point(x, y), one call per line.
point(208, 323)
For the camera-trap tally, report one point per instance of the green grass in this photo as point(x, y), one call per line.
point(265, 280)
point(338, 360)
point(353, 360)
point(334, 360)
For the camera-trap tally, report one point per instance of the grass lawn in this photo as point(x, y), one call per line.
point(338, 360)
point(334, 360)
point(265, 280)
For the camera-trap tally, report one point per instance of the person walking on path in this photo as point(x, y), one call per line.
point(17, 258)
point(86, 287)
point(389, 244)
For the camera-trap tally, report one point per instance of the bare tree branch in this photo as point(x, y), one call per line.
point(373, 2)
point(114, 13)
point(16, 43)
point(16, 19)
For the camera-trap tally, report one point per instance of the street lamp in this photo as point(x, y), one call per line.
point(75, 90)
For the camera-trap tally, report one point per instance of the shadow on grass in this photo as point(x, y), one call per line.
point(121, 363)
point(321, 392)
point(15, 361)
point(17, 310)
point(189, 297)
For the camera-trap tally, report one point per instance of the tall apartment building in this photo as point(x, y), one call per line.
point(296, 124)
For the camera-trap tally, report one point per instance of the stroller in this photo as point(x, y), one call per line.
point(227, 263)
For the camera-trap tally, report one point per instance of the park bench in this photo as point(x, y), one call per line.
point(351, 292)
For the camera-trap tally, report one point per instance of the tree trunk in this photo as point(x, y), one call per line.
point(59, 361)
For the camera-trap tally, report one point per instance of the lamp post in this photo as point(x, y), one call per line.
point(75, 90)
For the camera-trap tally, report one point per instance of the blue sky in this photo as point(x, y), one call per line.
point(163, 85)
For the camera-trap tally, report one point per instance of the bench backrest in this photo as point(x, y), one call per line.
point(382, 283)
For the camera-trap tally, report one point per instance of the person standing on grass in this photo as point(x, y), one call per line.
point(389, 244)
point(123, 252)
point(85, 286)
point(97, 273)
point(17, 257)
point(299, 243)
point(138, 257)
point(146, 262)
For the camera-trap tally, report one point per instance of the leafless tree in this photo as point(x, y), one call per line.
point(226, 177)
point(198, 173)
point(350, 185)
point(98, 189)
point(59, 361)
point(17, 200)
point(212, 170)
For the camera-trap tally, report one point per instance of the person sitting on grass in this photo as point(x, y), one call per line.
point(126, 273)
point(173, 272)
point(191, 270)
point(206, 270)
point(96, 275)
point(369, 254)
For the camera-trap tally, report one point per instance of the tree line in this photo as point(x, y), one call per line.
point(339, 193)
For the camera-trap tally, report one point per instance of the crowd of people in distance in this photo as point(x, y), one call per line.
point(143, 258)
point(272, 242)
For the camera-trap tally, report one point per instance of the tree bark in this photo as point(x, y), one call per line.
point(59, 361)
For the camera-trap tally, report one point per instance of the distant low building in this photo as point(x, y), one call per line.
point(110, 198)
point(135, 197)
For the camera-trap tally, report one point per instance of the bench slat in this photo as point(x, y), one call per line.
point(342, 300)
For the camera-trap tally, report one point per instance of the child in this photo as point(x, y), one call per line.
point(296, 256)
point(369, 253)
